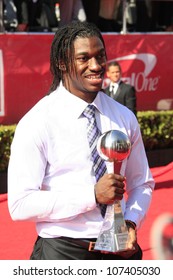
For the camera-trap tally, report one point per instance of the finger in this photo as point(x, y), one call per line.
point(132, 238)
point(117, 183)
point(119, 190)
point(118, 193)
point(118, 177)
point(118, 196)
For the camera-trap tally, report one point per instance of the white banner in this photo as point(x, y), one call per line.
point(96, 270)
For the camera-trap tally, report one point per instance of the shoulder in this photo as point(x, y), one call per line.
point(126, 85)
point(37, 114)
point(118, 114)
point(114, 107)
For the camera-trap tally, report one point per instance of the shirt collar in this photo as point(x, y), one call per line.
point(114, 84)
point(73, 105)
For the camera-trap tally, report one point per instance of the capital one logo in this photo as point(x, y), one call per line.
point(140, 79)
point(1, 85)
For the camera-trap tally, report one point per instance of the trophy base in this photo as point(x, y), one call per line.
point(113, 244)
point(113, 236)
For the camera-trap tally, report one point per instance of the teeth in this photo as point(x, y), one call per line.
point(94, 77)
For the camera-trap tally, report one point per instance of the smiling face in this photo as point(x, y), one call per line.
point(86, 76)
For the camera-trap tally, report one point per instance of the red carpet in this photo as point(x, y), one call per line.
point(161, 203)
point(17, 238)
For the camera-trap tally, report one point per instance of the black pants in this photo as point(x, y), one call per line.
point(70, 249)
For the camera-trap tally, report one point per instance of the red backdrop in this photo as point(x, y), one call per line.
point(146, 60)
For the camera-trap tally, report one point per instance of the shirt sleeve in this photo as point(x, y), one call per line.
point(140, 183)
point(26, 198)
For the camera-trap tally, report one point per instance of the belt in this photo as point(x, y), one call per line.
point(85, 243)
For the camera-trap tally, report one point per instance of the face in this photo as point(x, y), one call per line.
point(114, 73)
point(90, 65)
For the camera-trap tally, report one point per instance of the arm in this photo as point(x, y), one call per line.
point(139, 188)
point(139, 181)
point(29, 195)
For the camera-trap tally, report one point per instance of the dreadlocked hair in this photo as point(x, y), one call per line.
point(62, 49)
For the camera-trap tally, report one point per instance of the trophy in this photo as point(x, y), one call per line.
point(113, 146)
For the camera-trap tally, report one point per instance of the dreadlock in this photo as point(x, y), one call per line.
point(62, 49)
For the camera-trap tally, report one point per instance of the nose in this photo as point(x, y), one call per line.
point(94, 64)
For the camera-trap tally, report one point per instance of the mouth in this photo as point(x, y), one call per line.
point(95, 78)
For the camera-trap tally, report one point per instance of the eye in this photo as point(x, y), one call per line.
point(102, 56)
point(82, 58)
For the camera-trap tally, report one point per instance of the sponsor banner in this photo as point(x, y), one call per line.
point(146, 64)
point(146, 61)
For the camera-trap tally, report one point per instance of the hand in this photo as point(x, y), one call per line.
point(109, 188)
point(132, 246)
point(132, 240)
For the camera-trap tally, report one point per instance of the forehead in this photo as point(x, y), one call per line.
point(88, 45)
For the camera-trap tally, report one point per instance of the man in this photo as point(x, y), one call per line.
point(118, 90)
point(52, 179)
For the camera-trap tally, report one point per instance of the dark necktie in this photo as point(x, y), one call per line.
point(93, 133)
point(112, 92)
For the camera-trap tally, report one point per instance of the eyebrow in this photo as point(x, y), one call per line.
point(80, 53)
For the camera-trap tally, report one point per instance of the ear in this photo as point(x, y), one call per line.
point(107, 74)
point(62, 66)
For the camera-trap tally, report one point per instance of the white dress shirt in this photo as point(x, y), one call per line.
point(50, 177)
point(113, 87)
